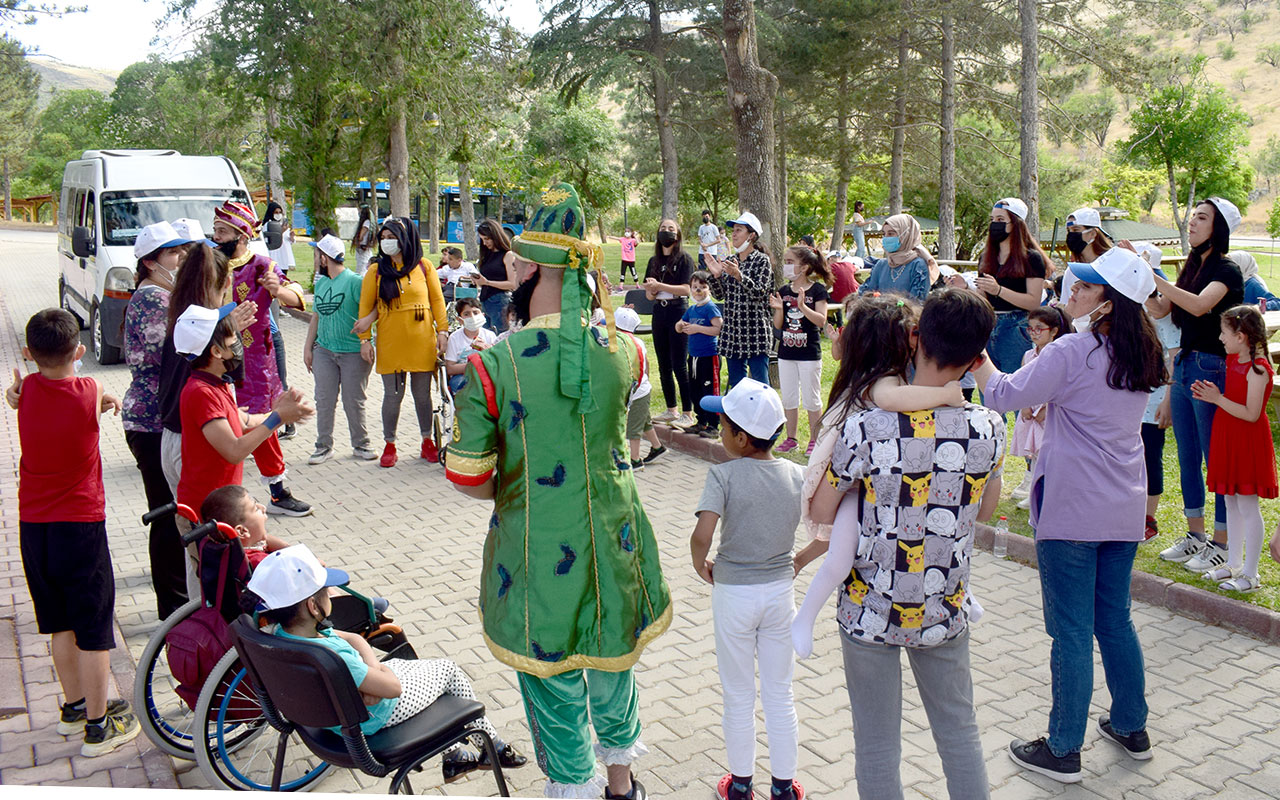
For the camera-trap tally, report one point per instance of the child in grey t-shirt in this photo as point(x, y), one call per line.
point(752, 603)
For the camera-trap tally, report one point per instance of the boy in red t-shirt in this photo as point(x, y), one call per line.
point(216, 435)
point(62, 528)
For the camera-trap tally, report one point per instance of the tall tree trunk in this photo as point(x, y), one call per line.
point(662, 113)
point(782, 178)
point(899, 117)
point(947, 141)
point(843, 169)
point(275, 183)
point(8, 199)
point(468, 211)
point(1178, 219)
point(433, 209)
point(1029, 180)
point(752, 91)
point(398, 160)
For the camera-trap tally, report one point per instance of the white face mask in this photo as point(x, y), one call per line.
point(389, 247)
point(1082, 324)
point(279, 217)
point(742, 248)
point(473, 323)
point(788, 270)
point(702, 301)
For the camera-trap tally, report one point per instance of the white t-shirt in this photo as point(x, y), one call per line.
point(708, 235)
point(459, 348)
point(451, 275)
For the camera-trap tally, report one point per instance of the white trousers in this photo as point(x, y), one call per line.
point(753, 622)
point(800, 380)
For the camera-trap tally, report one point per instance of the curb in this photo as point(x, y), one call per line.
point(1180, 598)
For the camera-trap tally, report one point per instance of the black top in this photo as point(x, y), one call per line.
point(174, 371)
point(801, 339)
point(493, 269)
point(1035, 269)
point(674, 269)
point(1201, 333)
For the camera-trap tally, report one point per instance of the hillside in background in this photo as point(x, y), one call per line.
point(58, 76)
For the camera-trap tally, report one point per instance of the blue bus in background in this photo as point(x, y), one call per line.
point(485, 201)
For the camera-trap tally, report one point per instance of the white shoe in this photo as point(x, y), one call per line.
point(665, 416)
point(1210, 557)
point(320, 456)
point(1185, 548)
point(365, 454)
point(1025, 503)
point(685, 420)
point(1024, 489)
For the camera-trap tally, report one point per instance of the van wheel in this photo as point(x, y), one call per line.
point(65, 302)
point(105, 353)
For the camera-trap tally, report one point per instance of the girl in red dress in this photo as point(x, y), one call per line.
point(1242, 460)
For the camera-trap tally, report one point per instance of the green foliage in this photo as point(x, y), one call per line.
point(1226, 51)
point(1126, 186)
point(73, 122)
point(159, 104)
point(18, 86)
point(1084, 115)
point(1273, 220)
point(577, 143)
point(1269, 54)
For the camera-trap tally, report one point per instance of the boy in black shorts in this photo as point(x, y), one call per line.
point(63, 529)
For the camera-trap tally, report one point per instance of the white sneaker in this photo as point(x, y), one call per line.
point(365, 454)
point(665, 416)
point(1210, 557)
point(320, 456)
point(1024, 489)
point(685, 420)
point(1025, 503)
point(1186, 547)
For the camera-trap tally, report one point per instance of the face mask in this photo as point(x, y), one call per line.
point(229, 248)
point(160, 272)
point(706, 298)
point(788, 270)
point(521, 296)
point(666, 238)
point(473, 323)
point(998, 232)
point(77, 365)
point(279, 217)
point(1082, 324)
point(322, 623)
point(389, 247)
point(1075, 241)
point(891, 244)
point(233, 367)
point(744, 247)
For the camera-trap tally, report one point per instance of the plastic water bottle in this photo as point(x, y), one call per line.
point(1000, 546)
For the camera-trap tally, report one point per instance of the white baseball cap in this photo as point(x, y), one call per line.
point(1014, 206)
point(753, 406)
point(194, 329)
point(1085, 216)
point(1230, 214)
point(1122, 270)
point(1152, 255)
point(157, 236)
point(748, 219)
point(189, 228)
point(626, 319)
point(291, 575)
point(331, 246)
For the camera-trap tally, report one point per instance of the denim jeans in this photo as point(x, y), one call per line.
point(1086, 595)
point(1009, 341)
point(757, 366)
point(493, 308)
point(1192, 425)
point(860, 242)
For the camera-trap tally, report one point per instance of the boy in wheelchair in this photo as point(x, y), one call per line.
point(293, 593)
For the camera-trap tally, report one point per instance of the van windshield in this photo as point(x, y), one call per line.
point(125, 214)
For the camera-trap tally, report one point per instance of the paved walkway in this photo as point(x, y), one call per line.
point(1214, 695)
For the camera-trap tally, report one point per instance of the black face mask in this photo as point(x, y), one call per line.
point(1075, 242)
point(666, 238)
point(234, 366)
point(229, 248)
point(998, 232)
point(323, 623)
point(521, 296)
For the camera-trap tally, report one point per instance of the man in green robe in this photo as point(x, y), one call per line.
point(571, 589)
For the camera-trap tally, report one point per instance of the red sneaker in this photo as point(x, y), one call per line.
point(429, 451)
point(1152, 530)
point(388, 456)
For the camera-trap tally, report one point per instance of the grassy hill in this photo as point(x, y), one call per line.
point(59, 76)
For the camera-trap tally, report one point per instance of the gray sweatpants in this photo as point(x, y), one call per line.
point(393, 393)
point(873, 674)
point(350, 373)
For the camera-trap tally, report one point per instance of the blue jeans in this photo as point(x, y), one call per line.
point(757, 366)
point(1086, 595)
point(1192, 425)
point(860, 242)
point(1009, 341)
point(456, 382)
point(493, 308)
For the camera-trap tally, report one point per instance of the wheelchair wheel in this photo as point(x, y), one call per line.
point(238, 748)
point(165, 717)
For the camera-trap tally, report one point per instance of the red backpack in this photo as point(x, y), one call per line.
point(195, 645)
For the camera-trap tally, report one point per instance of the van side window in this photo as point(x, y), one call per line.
point(90, 215)
point(66, 211)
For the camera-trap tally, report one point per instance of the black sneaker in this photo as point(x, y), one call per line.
point(1137, 745)
point(115, 730)
point(287, 432)
point(654, 453)
point(72, 720)
point(637, 792)
point(709, 433)
point(285, 503)
point(637, 464)
point(1037, 757)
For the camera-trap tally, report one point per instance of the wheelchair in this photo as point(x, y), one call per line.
point(226, 732)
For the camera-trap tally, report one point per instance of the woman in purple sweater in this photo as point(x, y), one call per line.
point(1088, 502)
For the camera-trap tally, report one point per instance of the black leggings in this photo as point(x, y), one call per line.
point(1153, 451)
point(168, 556)
point(672, 350)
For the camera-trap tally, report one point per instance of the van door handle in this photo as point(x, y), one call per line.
point(82, 264)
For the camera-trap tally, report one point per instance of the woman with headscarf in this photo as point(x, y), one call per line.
point(1255, 290)
point(1209, 284)
point(412, 329)
point(904, 270)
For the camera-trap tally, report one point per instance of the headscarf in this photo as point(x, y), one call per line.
point(270, 214)
point(908, 239)
point(410, 253)
point(1246, 262)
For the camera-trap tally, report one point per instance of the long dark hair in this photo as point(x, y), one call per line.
point(496, 233)
point(1021, 245)
point(1247, 320)
point(815, 265)
point(410, 254)
point(1137, 358)
point(876, 343)
point(199, 282)
point(365, 216)
point(1216, 246)
point(1053, 316)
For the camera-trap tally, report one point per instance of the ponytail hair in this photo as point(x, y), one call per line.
point(814, 263)
point(1248, 320)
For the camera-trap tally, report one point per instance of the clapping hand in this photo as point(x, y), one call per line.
point(986, 283)
point(775, 301)
point(12, 394)
point(1206, 391)
point(243, 315)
